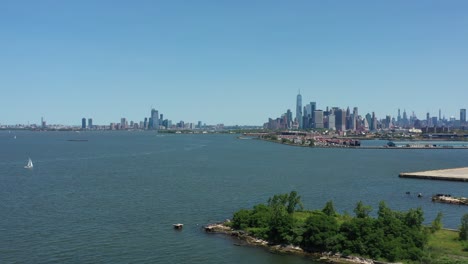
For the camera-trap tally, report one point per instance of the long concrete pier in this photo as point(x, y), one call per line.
point(457, 174)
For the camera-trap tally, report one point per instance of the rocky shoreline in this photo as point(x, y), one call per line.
point(326, 257)
point(446, 198)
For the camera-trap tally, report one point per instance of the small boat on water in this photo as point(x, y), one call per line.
point(178, 226)
point(29, 165)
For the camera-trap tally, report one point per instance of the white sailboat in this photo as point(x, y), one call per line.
point(29, 165)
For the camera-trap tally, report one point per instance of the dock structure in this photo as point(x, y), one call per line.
point(457, 174)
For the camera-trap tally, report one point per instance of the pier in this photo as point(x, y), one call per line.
point(457, 174)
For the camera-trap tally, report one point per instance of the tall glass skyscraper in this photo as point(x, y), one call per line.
point(299, 109)
point(154, 119)
point(462, 116)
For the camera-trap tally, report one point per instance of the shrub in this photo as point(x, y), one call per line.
point(464, 228)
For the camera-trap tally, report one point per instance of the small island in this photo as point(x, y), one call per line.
point(282, 225)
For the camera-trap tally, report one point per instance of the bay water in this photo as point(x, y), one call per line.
point(114, 197)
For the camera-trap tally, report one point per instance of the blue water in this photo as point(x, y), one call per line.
point(114, 198)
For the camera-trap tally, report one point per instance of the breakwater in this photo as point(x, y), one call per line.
point(457, 174)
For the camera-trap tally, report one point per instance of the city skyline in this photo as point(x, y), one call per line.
point(309, 116)
point(302, 111)
point(236, 63)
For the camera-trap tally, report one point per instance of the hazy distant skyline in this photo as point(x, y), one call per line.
point(231, 62)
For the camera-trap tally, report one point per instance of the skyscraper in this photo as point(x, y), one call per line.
point(368, 121)
point(405, 118)
point(348, 119)
point(374, 121)
point(340, 120)
point(399, 118)
point(299, 109)
point(318, 119)
point(289, 117)
point(154, 119)
point(83, 123)
point(330, 121)
point(462, 116)
point(90, 123)
point(313, 108)
point(355, 118)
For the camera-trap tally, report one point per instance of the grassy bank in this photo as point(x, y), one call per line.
point(445, 247)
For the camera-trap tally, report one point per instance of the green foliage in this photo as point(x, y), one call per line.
point(320, 232)
point(260, 216)
point(241, 219)
point(414, 218)
point(362, 210)
point(436, 225)
point(290, 201)
point(273, 137)
point(446, 243)
point(392, 235)
point(259, 232)
point(280, 226)
point(464, 228)
point(465, 246)
point(294, 201)
point(329, 209)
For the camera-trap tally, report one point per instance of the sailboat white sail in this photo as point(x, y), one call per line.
point(29, 165)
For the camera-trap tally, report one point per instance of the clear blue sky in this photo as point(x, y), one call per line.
point(231, 62)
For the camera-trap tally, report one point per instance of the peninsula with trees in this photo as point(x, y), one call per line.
point(282, 225)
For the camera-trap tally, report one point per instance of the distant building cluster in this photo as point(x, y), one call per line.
point(155, 121)
point(340, 120)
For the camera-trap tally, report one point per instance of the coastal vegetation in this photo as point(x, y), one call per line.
point(390, 236)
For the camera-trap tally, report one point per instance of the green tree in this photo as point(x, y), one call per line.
point(241, 219)
point(294, 201)
point(278, 199)
point(384, 212)
point(290, 201)
point(329, 209)
point(414, 218)
point(358, 234)
point(260, 216)
point(464, 228)
point(437, 223)
point(320, 232)
point(361, 210)
point(280, 225)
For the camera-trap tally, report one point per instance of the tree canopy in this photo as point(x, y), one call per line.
point(393, 235)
